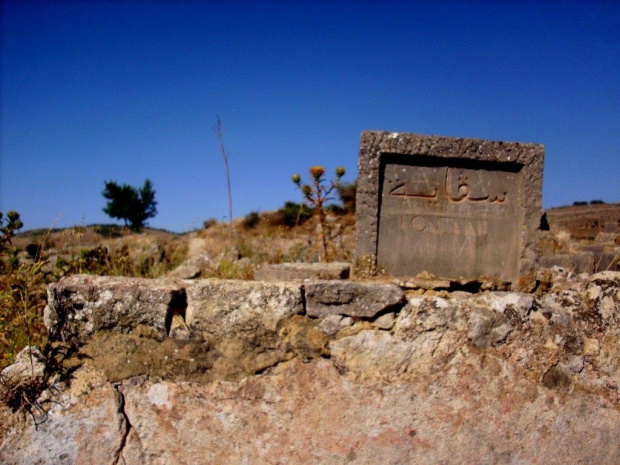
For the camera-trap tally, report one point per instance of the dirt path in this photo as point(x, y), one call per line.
point(196, 247)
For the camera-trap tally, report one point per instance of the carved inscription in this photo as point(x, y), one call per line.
point(452, 221)
point(458, 185)
point(446, 225)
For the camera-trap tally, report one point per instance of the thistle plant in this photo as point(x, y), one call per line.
point(316, 194)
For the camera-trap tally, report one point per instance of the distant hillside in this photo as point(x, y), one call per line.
point(585, 221)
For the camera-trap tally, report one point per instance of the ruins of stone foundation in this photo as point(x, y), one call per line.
point(313, 363)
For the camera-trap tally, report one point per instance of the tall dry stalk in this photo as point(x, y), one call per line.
point(219, 132)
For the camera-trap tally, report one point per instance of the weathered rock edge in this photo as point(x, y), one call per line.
point(82, 305)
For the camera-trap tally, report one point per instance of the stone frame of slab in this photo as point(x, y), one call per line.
point(524, 159)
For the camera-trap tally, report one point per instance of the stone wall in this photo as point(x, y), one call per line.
point(210, 371)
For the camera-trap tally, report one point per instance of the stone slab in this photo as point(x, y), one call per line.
point(457, 208)
point(295, 271)
point(81, 305)
point(221, 307)
point(577, 263)
point(348, 298)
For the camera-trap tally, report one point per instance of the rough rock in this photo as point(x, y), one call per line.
point(512, 303)
point(84, 424)
point(350, 298)
point(223, 307)
point(310, 413)
point(603, 294)
point(460, 378)
point(29, 363)
point(294, 271)
point(577, 263)
point(81, 305)
point(385, 321)
point(192, 267)
point(488, 327)
point(330, 325)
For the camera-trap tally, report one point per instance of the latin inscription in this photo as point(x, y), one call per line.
point(445, 225)
point(452, 221)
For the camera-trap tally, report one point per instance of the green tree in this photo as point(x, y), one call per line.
point(133, 206)
point(8, 227)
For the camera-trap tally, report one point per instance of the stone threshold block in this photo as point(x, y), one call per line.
point(461, 209)
point(294, 271)
point(81, 305)
point(349, 298)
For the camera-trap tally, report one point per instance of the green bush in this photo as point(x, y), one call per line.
point(22, 295)
point(346, 194)
point(209, 223)
point(336, 209)
point(251, 220)
point(109, 230)
point(293, 214)
point(34, 250)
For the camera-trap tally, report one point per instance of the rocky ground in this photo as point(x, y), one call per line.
point(324, 371)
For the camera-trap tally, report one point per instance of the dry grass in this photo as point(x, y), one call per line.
point(116, 251)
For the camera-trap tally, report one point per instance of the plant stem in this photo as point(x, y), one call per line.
point(219, 133)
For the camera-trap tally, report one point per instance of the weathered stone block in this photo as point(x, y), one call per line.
point(80, 305)
point(577, 263)
point(222, 307)
point(29, 363)
point(457, 208)
point(325, 298)
point(293, 271)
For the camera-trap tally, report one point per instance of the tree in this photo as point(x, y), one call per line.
point(134, 206)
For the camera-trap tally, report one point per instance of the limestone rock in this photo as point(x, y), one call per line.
point(80, 305)
point(29, 363)
point(487, 327)
point(308, 413)
point(330, 325)
point(222, 307)
point(426, 281)
point(604, 295)
point(192, 267)
point(85, 424)
point(293, 271)
point(577, 263)
point(510, 303)
point(460, 378)
point(425, 313)
point(351, 298)
point(385, 321)
point(375, 353)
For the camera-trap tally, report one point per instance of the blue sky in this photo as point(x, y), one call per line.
point(127, 90)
